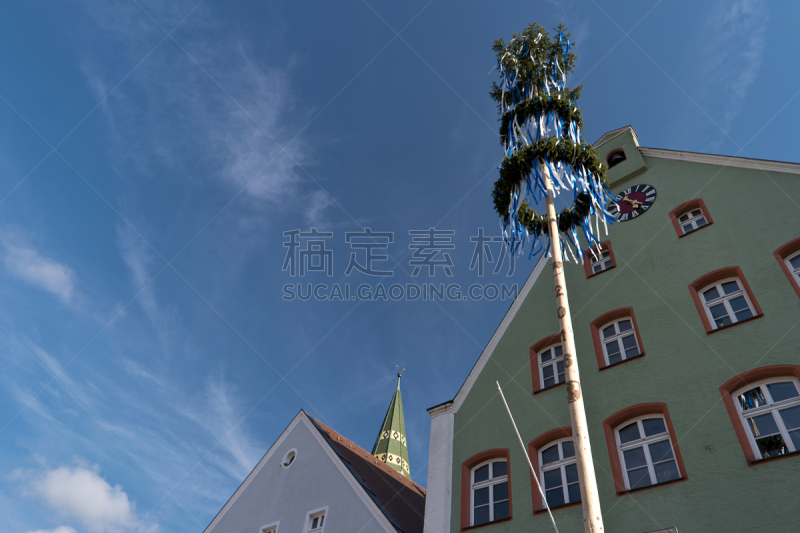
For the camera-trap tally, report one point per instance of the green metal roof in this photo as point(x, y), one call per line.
point(390, 446)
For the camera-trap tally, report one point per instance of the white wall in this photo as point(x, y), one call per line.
point(314, 480)
point(440, 466)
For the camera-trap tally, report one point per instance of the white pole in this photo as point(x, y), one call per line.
point(590, 501)
point(535, 477)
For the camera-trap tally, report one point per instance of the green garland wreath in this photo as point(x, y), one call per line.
point(529, 108)
point(516, 167)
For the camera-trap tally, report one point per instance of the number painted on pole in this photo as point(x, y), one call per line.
point(561, 312)
point(573, 391)
point(559, 290)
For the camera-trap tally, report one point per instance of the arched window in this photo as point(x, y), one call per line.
point(788, 257)
point(690, 216)
point(553, 458)
point(485, 488)
point(764, 405)
point(616, 337)
point(723, 298)
point(559, 473)
point(643, 448)
point(616, 157)
point(547, 363)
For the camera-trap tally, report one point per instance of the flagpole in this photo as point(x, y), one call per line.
point(533, 472)
point(590, 501)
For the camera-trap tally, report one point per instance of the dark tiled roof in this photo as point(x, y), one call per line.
point(400, 499)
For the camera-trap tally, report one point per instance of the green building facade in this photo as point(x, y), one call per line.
point(714, 472)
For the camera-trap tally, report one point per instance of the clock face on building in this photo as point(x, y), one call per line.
point(632, 202)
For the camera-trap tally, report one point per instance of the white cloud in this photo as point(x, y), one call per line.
point(82, 494)
point(318, 202)
point(172, 121)
point(220, 414)
point(59, 529)
point(733, 42)
point(25, 262)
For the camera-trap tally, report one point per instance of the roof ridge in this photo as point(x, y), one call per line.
point(335, 435)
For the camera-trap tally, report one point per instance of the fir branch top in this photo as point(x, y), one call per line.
point(529, 54)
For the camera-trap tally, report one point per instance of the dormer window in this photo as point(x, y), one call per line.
point(615, 158)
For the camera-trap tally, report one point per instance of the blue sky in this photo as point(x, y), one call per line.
point(152, 154)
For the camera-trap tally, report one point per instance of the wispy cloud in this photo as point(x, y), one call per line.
point(318, 201)
point(222, 409)
point(173, 119)
point(732, 42)
point(25, 262)
point(59, 529)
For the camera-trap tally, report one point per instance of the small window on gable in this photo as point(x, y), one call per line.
point(615, 158)
point(788, 257)
point(316, 522)
point(273, 528)
point(723, 298)
point(490, 496)
point(289, 458)
point(690, 216)
point(559, 473)
point(599, 259)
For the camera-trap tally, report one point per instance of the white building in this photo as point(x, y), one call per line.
point(313, 480)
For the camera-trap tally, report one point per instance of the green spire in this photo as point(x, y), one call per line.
point(390, 447)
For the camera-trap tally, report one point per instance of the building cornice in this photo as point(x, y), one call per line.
point(442, 408)
point(722, 160)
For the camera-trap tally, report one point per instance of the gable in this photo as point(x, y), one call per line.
point(316, 479)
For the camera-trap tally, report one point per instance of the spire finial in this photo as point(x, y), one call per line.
point(399, 374)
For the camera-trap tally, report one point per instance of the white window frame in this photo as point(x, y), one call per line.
point(692, 220)
point(290, 457)
point(561, 464)
point(725, 299)
point(316, 513)
point(487, 483)
point(270, 528)
point(771, 407)
point(795, 271)
point(602, 259)
point(552, 361)
point(618, 338)
point(644, 443)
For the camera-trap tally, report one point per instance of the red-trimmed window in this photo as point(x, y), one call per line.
point(788, 257)
point(642, 447)
point(690, 216)
point(553, 458)
point(598, 260)
point(723, 298)
point(485, 488)
point(616, 337)
point(764, 406)
point(547, 363)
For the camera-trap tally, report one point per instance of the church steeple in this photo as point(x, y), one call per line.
point(390, 447)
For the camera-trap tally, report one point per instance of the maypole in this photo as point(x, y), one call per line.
point(545, 155)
